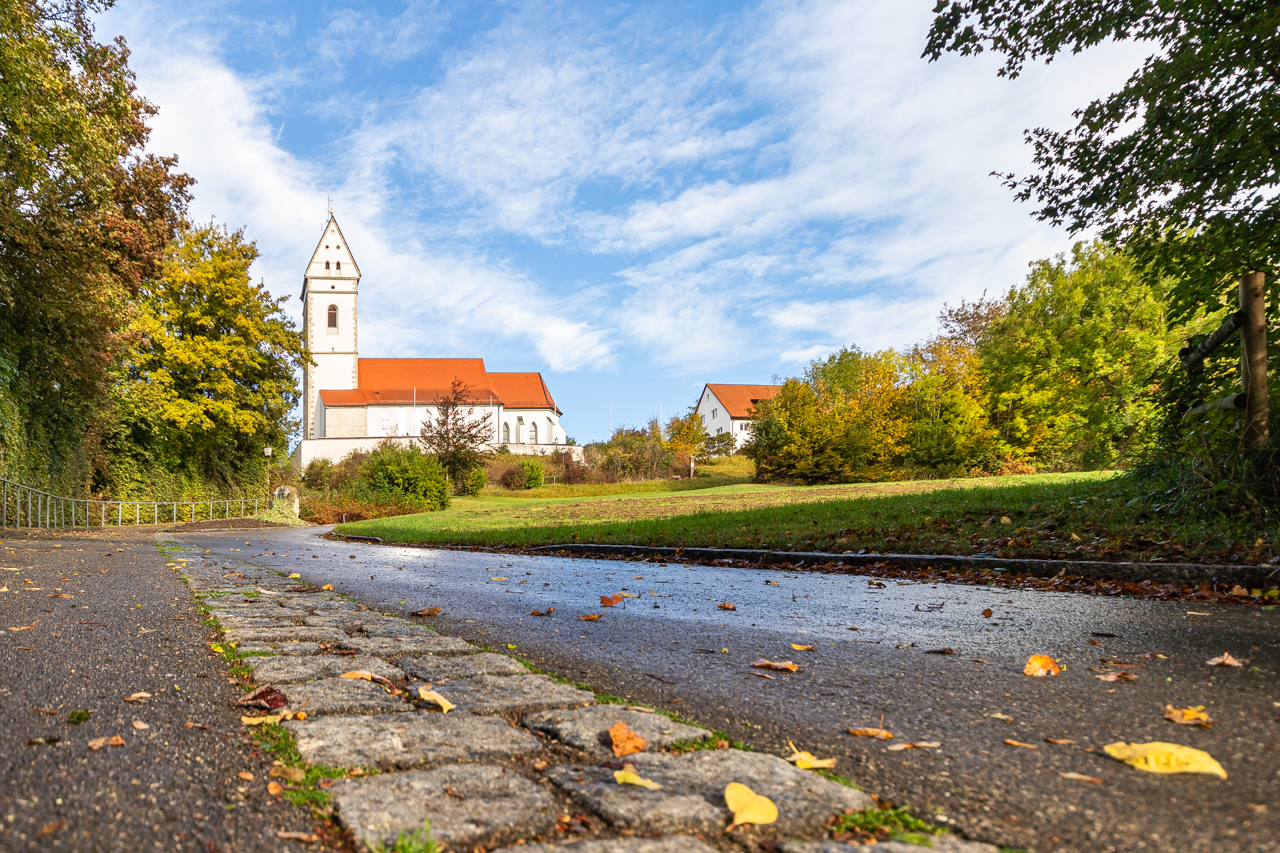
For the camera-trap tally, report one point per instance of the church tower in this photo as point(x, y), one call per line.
point(329, 321)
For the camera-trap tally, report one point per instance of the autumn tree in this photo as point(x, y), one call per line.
point(85, 214)
point(686, 436)
point(455, 435)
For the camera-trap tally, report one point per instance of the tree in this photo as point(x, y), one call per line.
point(686, 436)
point(85, 215)
point(950, 433)
point(1180, 165)
point(456, 436)
point(723, 444)
point(209, 378)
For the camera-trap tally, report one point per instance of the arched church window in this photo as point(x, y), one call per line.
point(506, 433)
point(533, 433)
point(333, 319)
point(326, 264)
point(339, 263)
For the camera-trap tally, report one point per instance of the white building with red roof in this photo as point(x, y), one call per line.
point(730, 408)
point(352, 403)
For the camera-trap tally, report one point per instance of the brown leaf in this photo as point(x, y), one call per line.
point(921, 744)
point(1040, 666)
point(1225, 659)
point(140, 726)
point(611, 600)
point(1080, 777)
point(308, 837)
point(725, 605)
point(50, 828)
point(1058, 740)
point(1020, 744)
point(429, 611)
point(590, 617)
point(867, 731)
point(137, 697)
point(762, 675)
point(275, 789)
point(546, 612)
point(26, 627)
point(986, 614)
point(198, 726)
point(1188, 716)
point(1117, 676)
point(291, 774)
point(625, 741)
point(778, 666)
point(945, 651)
point(265, 698)
point(245, 775)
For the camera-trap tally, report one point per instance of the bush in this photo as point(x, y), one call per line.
point(395, 470)
point(514, 478)
point(534, 471)
point(474, 481)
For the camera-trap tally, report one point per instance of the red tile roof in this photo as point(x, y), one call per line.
point(403, 381)
point(738, 400)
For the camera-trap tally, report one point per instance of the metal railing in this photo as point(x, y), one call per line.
point(30, 508)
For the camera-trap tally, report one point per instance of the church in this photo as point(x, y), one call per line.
point(353, 403)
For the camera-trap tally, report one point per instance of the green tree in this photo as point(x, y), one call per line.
point(455, 435)
point(1180, 166)
point(686, 436)
point(210, 377)
point(1070, 368)
point(85, 215)
point(394, 470)
point(801, 434)
point(950, 433)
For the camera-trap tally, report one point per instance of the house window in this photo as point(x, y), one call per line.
point(326, 264)
point(533, 432)
point(719, 430)
point(506, 433)
point(333, 320)
point(551, 432)
point(715, 413)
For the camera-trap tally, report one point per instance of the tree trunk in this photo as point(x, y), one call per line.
point(1253, 359)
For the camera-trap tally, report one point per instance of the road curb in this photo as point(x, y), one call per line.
point(1247, 576)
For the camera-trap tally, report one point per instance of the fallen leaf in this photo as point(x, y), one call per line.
point(50, 828)
point(431, 696)
point(748, 806)
point(1117, 676)
point(725, 605)
point(291, 774)
point(1225, 659)
point(1058, 740)
point(26, 627)
point(265, 698)
point(628, 776)
point(275, 789)
point(293, 576)
point(976, 660)
point(801, 648)
point(625, 741)
point(778, 666)
point(871, 732)
point(922, 744)
point(1020, 744)
point(762, 675)
point(1159, 757)
point(198, 726)
point(358, 674)
point(308, 837)
point(1188, 716)
point(807, 761)
point(986, 614)
point(628, 595)
point(99, 742)
point(429, 611)
point(261, 721)
point(58, 595)
point(590, 617)
point(1196, 613)
point(610, 600)
point(137, 697)
point(1004, 519)
point(946, 651)
point(546, 612)
point(1080, 777)
point(328, 587)
point(1040, 666)
point(1004, 717)
point(497, 579)
point(140, 726)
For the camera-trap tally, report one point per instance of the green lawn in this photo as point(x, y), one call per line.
point(1087, 516)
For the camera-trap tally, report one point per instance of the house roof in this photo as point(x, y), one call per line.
point(405, 381)
point(738, 400)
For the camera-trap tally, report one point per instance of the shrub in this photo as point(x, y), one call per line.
point(396, 470)
point(514, 478)
point(534, 471)
point(474, 481)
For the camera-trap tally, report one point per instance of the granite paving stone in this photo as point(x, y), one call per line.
point(661, 844)
point(295, 670)
point(405, 740)
point(439, 669)
point(945, 843)
point(467, 805)
point(280, 648)
point(392, 648)
point(285, 634)
point(692, 795)
point(342, 696)
point(512, 694)
point(395, 628)
point(588, 728)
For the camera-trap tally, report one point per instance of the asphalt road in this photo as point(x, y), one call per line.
point(674, 647)
point(101, 617)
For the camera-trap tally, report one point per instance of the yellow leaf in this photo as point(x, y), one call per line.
point(801, 648)
point(295, 576)
point(431, 696)
point(1040, 666)
point(1188, 716)
point(328, 586)
point(630, 777)
point(866, 731)
point(1159, 757)
point(1004, 519)
point(628, 595)
point(497, 579)
point(625, 741)
point(358, 674)
point(748, 806)
point(291, 774)
point(806, 760)
point(260, 721)
point(777, 666)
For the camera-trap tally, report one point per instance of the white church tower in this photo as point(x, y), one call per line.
point(329, 321)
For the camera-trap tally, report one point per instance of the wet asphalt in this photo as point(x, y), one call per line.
point(674, 647)
point(102, 618)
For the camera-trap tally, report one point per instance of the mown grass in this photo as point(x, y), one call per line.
point(1078, 516)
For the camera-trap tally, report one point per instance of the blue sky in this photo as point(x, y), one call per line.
point(633, 198)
